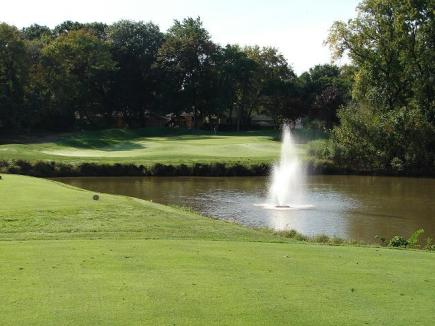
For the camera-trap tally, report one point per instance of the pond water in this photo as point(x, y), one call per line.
point(350, 207)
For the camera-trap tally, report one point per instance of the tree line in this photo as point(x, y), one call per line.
point(83, 75)
point(390, 122)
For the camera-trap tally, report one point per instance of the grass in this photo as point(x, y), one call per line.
point(194, 282)
point(33, 208)
point(151, 146)
point(72, 260)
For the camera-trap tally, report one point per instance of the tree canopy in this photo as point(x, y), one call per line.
point(90, 75)
point(391, 123)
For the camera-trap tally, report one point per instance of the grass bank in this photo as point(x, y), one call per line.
point(147, 152)
point(73, 260)
point(33, 208)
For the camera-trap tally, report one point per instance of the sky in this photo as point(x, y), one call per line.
point(297, 28)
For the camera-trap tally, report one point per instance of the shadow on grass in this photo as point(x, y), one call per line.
point(108, 145)
point(125, 139)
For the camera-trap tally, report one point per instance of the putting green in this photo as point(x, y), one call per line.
point(147, 147)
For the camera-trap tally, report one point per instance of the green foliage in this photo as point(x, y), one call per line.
point(134, 47)
point(76, 66)
point(429, 245)
point(187, 55)
point(321, 238)
point(400, 140)
point(398, 241)
point(392, 44)
point(129, 74)
point(321, 148)
point(413, 239)
point(392, 127)
point(292, 234)
point(14, 66)
point(325, 89)
point(36, 32)
point(273, 85)
point(381, 240)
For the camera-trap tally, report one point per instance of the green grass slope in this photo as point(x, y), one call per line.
point(33, 208)
point(150, 146)
point(156, 265)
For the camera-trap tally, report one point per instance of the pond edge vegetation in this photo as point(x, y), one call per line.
point(415, 241)
point(313, 166)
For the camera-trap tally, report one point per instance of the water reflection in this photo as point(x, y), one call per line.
point(352, 207)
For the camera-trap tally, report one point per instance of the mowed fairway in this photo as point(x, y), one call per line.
point(148, 147)
point(72, 260)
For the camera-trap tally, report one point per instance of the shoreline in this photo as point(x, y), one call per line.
point(53, 169)
point(262, 234)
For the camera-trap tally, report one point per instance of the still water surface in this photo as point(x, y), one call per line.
point(351, 207)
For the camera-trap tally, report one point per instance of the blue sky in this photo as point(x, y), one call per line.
point(296, 28)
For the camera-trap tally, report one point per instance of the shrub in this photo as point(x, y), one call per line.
point(320, 148)
point(292, 234)
point(374, 139)
point(381, 240)
point(21, 167)
point(288, 233)
point(53, 169)
point(413, 239)
point(398, 241)
point(43, 169)
point(429, 244)
point(163, 170)
point(301, 237)
point(335, 240)
point(321, 238)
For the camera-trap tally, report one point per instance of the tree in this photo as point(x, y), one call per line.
point(100, 30)
point(76, 66)
point(326, 88)
point(278, 89)
point(392, 124)
point(135, 84)
point(36, 32)
point(13, 76)
point(186, 57)
point(391, 42)
point(66, 27)
point(237, 75)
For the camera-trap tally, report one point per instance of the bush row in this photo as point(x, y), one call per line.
point(397, 241)
point(56, 169)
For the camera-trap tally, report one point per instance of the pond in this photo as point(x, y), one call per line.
point(350, 207)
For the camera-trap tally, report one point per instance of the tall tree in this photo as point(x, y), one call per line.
point(66, 27)
point(76, 69)
point(36, 32)
point(134, 46)
point(186, 56)
point(13, 76)
point(237, 83)
point(279, 91)
point(392, 43)
point(326, 88)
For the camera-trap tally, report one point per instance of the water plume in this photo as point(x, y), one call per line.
point(286, 188)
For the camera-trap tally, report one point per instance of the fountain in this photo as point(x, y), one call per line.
point(286, 189)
